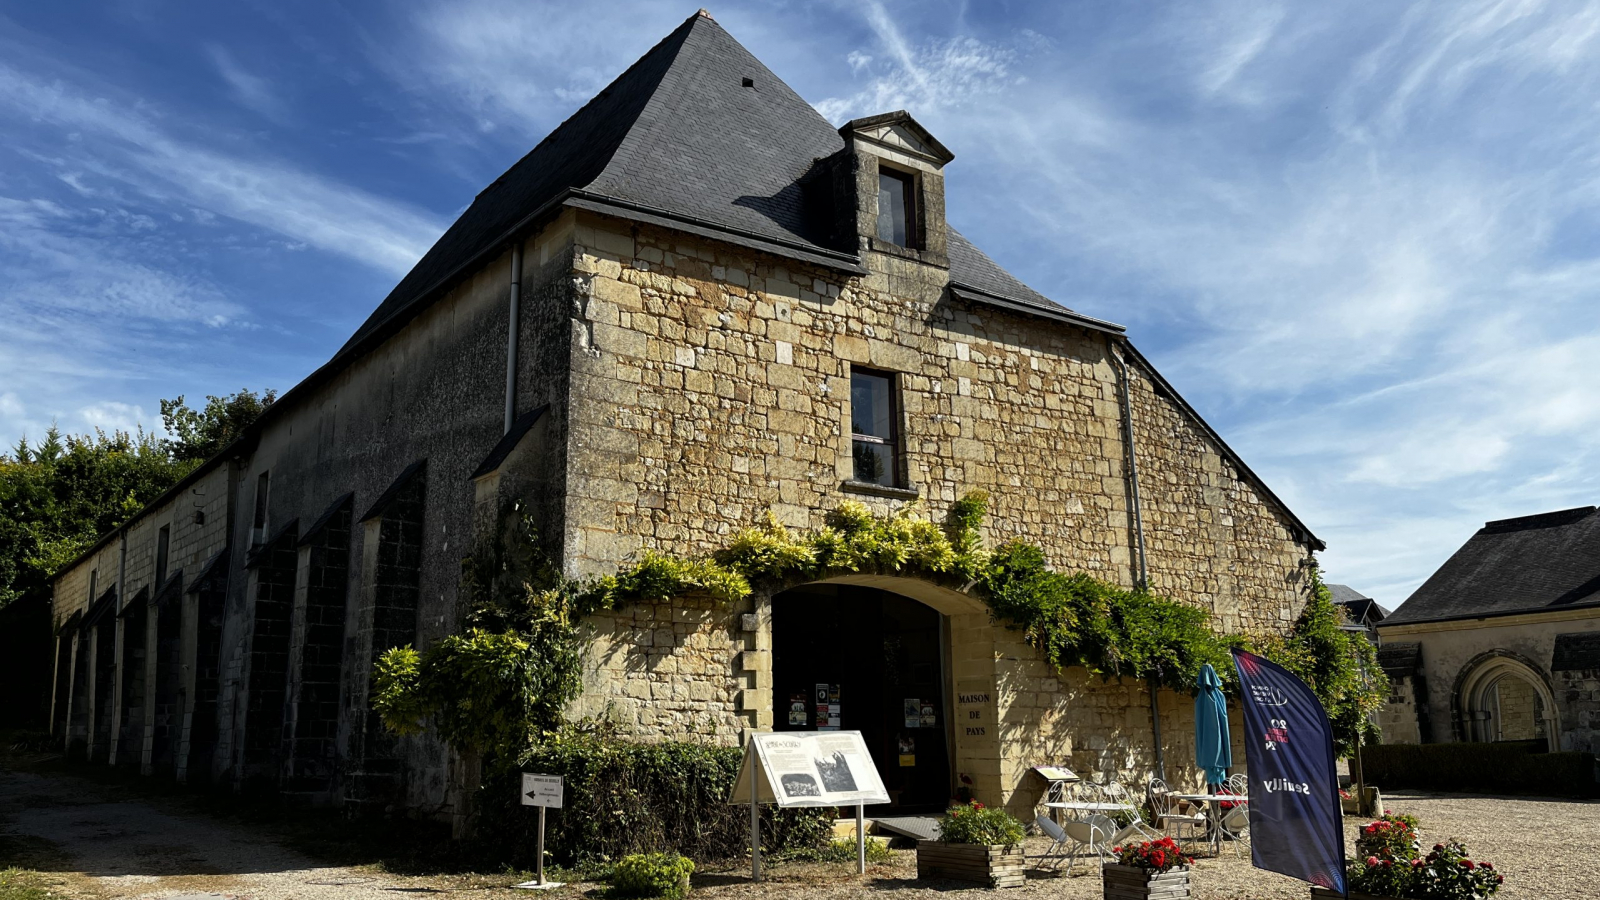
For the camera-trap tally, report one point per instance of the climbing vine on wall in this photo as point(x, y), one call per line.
point(504, 681)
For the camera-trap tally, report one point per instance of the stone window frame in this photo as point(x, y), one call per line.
point(915, 229)
point(900, 487)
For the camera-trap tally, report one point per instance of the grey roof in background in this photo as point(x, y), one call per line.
point(679, 135)
point(1527, 564)
point(1357, 605)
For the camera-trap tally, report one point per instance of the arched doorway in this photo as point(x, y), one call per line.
point(860, 658)
point(1505, 699)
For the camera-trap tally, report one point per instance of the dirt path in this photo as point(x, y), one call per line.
point(98, 841)
point(145, 849)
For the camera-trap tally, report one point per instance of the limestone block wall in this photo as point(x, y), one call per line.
point(1400, 719)
point(1578, 693)
point(710, 385)
point(671, 670)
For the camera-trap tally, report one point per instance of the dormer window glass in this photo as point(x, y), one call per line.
point(896, 203)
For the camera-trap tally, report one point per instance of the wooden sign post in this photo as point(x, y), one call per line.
point(543, 791)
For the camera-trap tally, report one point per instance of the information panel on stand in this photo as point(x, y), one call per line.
point(823, 768)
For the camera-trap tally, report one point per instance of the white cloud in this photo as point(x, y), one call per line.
point(110, 416)
point(250, 90)
point(133, 149)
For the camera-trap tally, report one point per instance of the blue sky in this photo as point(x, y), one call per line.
point(1360, 238)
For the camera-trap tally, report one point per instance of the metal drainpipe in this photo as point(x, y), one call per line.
point(1142, 580)
point(1135, 508)
point(513, 331)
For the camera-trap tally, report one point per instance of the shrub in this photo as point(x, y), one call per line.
point(624, 797)
point(1511, 768)
point(1447, 873)
point(979, 824)
point(842, 852)
point(1158, 856)
point(1390, 837)
point(650, 875)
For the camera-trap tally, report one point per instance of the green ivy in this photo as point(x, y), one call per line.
point(505, 682)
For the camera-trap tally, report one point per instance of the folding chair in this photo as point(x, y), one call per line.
point(1233, 823)
point(1093, 834)
point(1116, 793)
point(1053, 855)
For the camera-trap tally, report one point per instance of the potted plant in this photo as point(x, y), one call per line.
point(1147, 869)
point(1390, 866)
point(975, 844)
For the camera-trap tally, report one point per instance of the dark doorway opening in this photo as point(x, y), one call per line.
point(867, 660)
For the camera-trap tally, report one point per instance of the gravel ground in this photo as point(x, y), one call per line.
point(141, 848)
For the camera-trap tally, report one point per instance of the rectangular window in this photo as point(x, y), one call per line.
point(94, 584)
point(874, 438)
point(895, 207)
point(163, 541)
point(258, 532)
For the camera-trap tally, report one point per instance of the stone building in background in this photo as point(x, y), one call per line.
point(1503, 642)
point(693, 302)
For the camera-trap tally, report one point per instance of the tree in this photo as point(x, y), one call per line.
point(58, 496)
point(1340, 666)
point(201, 434)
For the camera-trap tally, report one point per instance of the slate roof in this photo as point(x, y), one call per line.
point(676, 136)
point(1356, 604)
point(1528, 564)
point(1400, 660)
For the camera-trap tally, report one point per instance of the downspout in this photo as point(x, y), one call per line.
point(514, 330)
point(1135, 510)
point(1136, 513)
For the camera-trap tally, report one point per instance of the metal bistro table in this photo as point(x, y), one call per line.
point(1213, 804)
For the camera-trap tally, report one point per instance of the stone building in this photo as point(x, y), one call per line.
point(693, 302)
point(1503, 642)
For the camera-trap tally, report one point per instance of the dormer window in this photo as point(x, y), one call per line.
point(896, 207)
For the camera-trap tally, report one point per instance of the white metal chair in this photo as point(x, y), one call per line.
point(1232, 824)
point(1093, 834)
point(1053, 855)
point(1115, 792)
point(1171, 818)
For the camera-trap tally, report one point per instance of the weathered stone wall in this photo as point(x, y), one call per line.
point(1578, 693)
point(1399, 720)
point(710, 385)
point(1454, 652)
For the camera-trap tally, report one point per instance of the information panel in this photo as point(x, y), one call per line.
point(825, 768)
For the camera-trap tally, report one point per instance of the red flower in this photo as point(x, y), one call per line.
point(1438, 848)
point(1487, 865)
point(1416, 864)
point(1388, 862)
point(1468, 864)
point(1372, 861)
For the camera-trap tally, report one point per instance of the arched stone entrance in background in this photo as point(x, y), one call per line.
point(875, 654)
point(1502, 697)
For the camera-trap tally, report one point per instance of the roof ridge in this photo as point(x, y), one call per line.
point(1538, 520)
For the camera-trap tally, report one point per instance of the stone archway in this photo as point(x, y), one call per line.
point(886, 643)
point(1502, 696)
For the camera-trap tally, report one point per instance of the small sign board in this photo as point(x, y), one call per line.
point(541, 790)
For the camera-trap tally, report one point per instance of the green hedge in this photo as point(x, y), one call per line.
point(1511, 768)
point(623, 797)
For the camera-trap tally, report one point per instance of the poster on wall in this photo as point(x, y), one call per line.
point(928, 718)
point(913, 712)
point(810, 769)
point(797, 709)
point(908, 749)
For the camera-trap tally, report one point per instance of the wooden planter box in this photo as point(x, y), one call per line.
point(993, 865)
point(1318, 893)
point(1122, 882)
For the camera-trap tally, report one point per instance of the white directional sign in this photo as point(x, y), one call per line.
point(541, 790)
